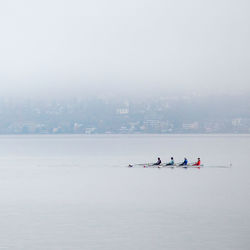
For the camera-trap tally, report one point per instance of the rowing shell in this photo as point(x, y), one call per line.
point(178, 166)
point(166, 166)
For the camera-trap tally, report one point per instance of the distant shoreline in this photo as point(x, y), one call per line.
point(132, 134)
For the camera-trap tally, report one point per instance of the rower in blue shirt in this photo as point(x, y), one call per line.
point(171, 163)
point(184, 163)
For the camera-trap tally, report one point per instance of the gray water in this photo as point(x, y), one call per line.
point(75, 192)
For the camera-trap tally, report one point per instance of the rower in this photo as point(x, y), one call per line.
point(171, 163)
point(184, 163)
point(158, 162)
point(198, 163)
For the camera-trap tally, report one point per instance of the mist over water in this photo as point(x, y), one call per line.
point(64, 47)
point(75, 192)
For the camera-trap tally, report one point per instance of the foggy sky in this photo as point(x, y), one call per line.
point(133, 46)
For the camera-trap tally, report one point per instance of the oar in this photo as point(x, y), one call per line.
point(140, 164)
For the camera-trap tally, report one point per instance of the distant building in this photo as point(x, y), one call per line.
point(236, 122)
point(78, 128)
point(123, 130)
point(212, 127)
point(122, 111)
point(152, 124)
point(90, 130)
point(190, 126)
point(56, 130)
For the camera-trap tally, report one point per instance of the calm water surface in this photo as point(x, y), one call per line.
point(75, 192)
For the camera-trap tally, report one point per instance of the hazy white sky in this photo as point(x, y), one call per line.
point(62, 46)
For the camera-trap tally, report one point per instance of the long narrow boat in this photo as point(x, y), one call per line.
point(149, 165)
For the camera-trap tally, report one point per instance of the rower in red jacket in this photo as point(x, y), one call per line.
point(198, 163)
